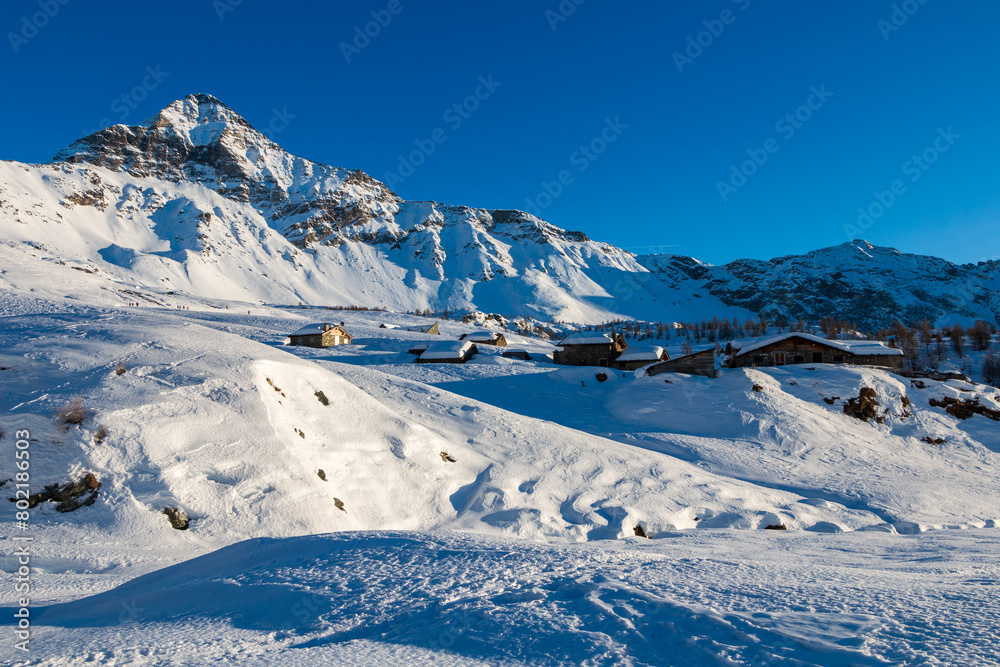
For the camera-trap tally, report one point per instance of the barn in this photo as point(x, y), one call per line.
point(485, 338)
point(803, 348)
point(447, 352)
point(637, 356)
point(589, 348)
point(696, 363)
point(322, 334)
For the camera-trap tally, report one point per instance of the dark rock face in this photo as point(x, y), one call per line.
point(201, 140)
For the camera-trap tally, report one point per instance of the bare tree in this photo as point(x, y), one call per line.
point(957, 335)
point(991, 369)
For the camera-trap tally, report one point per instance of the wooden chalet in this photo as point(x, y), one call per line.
point(447, 352)
point(589, 349)
point(803, 348)
point(696, 363)
point(637, 356)
point(485, 338)
point(322, 334)
point(517, 353)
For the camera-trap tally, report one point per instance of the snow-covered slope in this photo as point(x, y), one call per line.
point(194, 199)
point(523, 488)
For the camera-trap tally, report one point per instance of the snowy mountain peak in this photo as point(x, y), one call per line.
point(202, 120)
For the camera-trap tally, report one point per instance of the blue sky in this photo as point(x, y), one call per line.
point(592, 94)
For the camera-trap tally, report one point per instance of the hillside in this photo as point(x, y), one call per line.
point(544, 466)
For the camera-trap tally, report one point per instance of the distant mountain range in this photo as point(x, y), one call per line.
point(194, 199)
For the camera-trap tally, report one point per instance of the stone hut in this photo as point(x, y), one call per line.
point(485, 338)
point(323, 334)
point(432, 329)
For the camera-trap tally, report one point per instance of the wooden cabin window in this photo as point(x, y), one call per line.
point(838, 358)
point(759, 360)
point(779, 358)
point(799, 359)
point(817, 357)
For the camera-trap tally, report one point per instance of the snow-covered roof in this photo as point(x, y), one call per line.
point(641, 353)
point(314, 329)
point(482, 335)
point(447, 349)
point(587, 338)
point(864, 347)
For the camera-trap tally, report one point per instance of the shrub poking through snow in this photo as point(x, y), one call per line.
point(864, 407)
point(301, 433)
point(321, 474)
point(776, 526)
point(935, 441)
point(964, 409)
point(640, 532)
point(73, 413)
point(322, 398)
point(758, 388)
point(339, 504)
point(120, 368)
point(178, 518)
point(101, 434)
point(831, 400)
point(447, 458)
point(905, 400)
point(601, 377)
point(69, 496)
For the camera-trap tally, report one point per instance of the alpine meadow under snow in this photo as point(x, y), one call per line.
point(244, 500)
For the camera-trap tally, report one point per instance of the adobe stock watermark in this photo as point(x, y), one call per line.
point(280, 119)
point(581, 158)
point(696, 44)
point(363, 35)
point(562, 12)
point(123, 105)
point(223, 7)
point(914, 168)
point(454, 116)
point(30, 25)
point(786, 126)
point(900, 15)
point(22, 543)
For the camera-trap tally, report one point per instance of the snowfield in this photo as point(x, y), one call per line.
point(523, 487)
point(698, 598)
